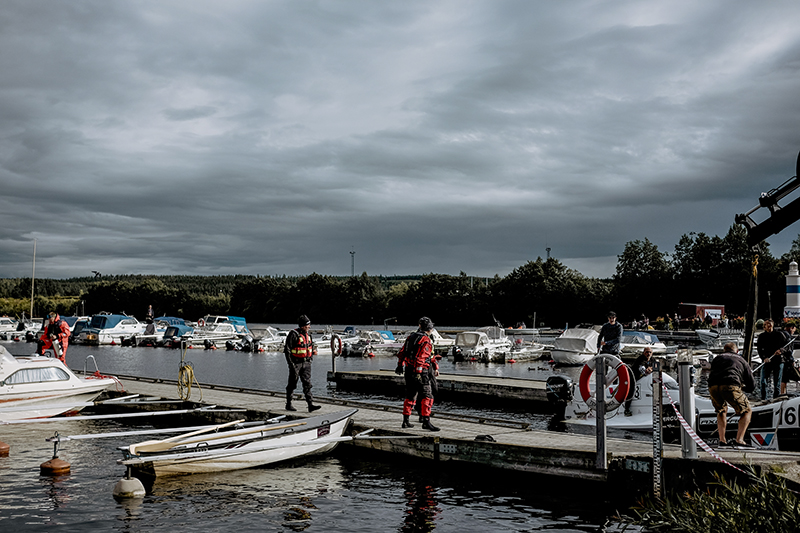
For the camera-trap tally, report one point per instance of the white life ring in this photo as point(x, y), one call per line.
point(201, 322)
point(336, 344)
point(615, 369)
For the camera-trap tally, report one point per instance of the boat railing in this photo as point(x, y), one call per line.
point(86, 364)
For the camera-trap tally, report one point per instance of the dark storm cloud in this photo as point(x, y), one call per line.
point(276, 137)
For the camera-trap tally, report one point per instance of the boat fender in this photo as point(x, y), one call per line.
point(336, 345)
point(614, 369)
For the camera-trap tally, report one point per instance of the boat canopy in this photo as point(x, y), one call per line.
point(639, 337)
point(387, 336)
point(106, 321)
point(577, 340)
point(470, 339)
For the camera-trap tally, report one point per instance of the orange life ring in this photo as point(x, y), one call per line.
point(201, 322)
point(336, 344)
point(615, 369)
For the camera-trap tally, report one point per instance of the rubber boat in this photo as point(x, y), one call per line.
point(42, 387)
point(237, 445)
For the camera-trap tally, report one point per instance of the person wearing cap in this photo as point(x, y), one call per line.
point(56, 337)
point(610, 335)
point(415, 359)
point(299, 351)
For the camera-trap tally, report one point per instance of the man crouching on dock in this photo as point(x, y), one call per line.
point(414, 360)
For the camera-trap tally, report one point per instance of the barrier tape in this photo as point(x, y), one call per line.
point(700, 442)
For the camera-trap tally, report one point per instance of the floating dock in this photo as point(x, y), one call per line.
point(499, 445)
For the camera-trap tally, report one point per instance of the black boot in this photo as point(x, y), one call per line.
point(406, 422)
point(289, 406)
point(426, 424)
point(311, 406)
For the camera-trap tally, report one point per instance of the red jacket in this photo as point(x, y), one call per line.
point(59, 328)
point(416, 353)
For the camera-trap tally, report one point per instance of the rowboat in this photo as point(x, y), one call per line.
point(236, 445)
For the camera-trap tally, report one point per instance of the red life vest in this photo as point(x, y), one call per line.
point(303, 347)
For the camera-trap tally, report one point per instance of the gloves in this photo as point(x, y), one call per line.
point(418, 377)
point(399, 370)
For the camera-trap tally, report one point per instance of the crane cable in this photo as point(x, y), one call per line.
point(186, 377)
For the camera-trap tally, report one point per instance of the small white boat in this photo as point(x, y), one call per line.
point(633, 343)
point(108, 328)
point(478, 346)
point(575, 346)
point(237, 445)
point(41, 387)
point(641, 419)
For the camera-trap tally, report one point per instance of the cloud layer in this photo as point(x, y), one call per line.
point(253, 137)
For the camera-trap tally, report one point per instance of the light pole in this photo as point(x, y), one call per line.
point(352, 263)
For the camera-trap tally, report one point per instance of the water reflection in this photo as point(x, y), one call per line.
point(421, 507)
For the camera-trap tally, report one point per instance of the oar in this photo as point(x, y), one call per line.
point(183, 436)
point(166, 444)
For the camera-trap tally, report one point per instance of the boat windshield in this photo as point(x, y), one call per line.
point(37, 375)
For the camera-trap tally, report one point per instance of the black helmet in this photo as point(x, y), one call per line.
point(425, 324)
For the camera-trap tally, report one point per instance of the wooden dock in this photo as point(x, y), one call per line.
point(497, 445)
point(458, 388)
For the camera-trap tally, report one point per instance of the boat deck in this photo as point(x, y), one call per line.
point(505, 445)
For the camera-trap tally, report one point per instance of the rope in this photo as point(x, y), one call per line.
point(186, 378)
point(98, 375)
point(755, 266)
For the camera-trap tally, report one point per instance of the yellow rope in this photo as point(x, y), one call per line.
point(755, 265)
point(186, 378)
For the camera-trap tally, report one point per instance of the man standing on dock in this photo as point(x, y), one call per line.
point(610, 335)
point(56, 337)
point(770, 345)
point(729, 379)
point(414, 360)
point(299, 350)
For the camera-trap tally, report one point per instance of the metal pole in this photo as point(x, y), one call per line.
point(752, 311)
point(600, 410)
point(686, 385)
point(658, 437)
point(33, 274)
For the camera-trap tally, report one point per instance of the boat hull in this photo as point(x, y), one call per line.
point(239, 449)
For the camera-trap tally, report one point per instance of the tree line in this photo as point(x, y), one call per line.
point(647, 282)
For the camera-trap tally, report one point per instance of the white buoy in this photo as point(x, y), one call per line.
point(129, 487)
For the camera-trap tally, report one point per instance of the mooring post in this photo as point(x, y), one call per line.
point(658, 437)
point(600, 410)
point(686, 386)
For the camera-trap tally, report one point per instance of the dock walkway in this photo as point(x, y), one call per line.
point(499, 445)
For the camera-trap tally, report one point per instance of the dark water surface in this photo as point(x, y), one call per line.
point(341, 492)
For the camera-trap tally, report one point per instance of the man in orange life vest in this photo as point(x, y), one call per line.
point(414, 360)
point(56, 330)
point(299, 350)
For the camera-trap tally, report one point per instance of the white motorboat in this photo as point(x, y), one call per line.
point(715, 339)
point(8, 326)
point(108, 328)
point(41, 387)
point(237, 445)
point(478, 346)
point(575, 346)
point(576, 410)
point(213, 331)
point(633, 343)
point(773, 424)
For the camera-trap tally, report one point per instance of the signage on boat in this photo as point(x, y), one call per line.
point(323, 431)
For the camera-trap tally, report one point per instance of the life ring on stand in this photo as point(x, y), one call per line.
point(615, 369)
point(336, 345)
point(201, 322)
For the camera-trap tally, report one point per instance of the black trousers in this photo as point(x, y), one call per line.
point(299, 367)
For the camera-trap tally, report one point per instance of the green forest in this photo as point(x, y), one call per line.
point(648, 281)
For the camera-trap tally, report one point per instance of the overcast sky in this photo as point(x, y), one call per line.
point(277, 137)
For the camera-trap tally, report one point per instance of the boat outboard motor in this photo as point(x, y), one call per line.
point(559, 393)
point(208, 344)
point(230, 346)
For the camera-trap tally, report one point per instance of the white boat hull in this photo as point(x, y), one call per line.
point(245, 448)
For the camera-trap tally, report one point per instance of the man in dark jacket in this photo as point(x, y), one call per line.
point(729, 379)
point(414, 360)
point(299, 350)
point(770, 345)
point(610, 335)
point(55, 337)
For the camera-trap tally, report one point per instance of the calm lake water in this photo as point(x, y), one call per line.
point(340, 492)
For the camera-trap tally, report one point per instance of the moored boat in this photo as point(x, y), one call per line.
point(575, 346)
point(237, 445)
point(42, 387)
